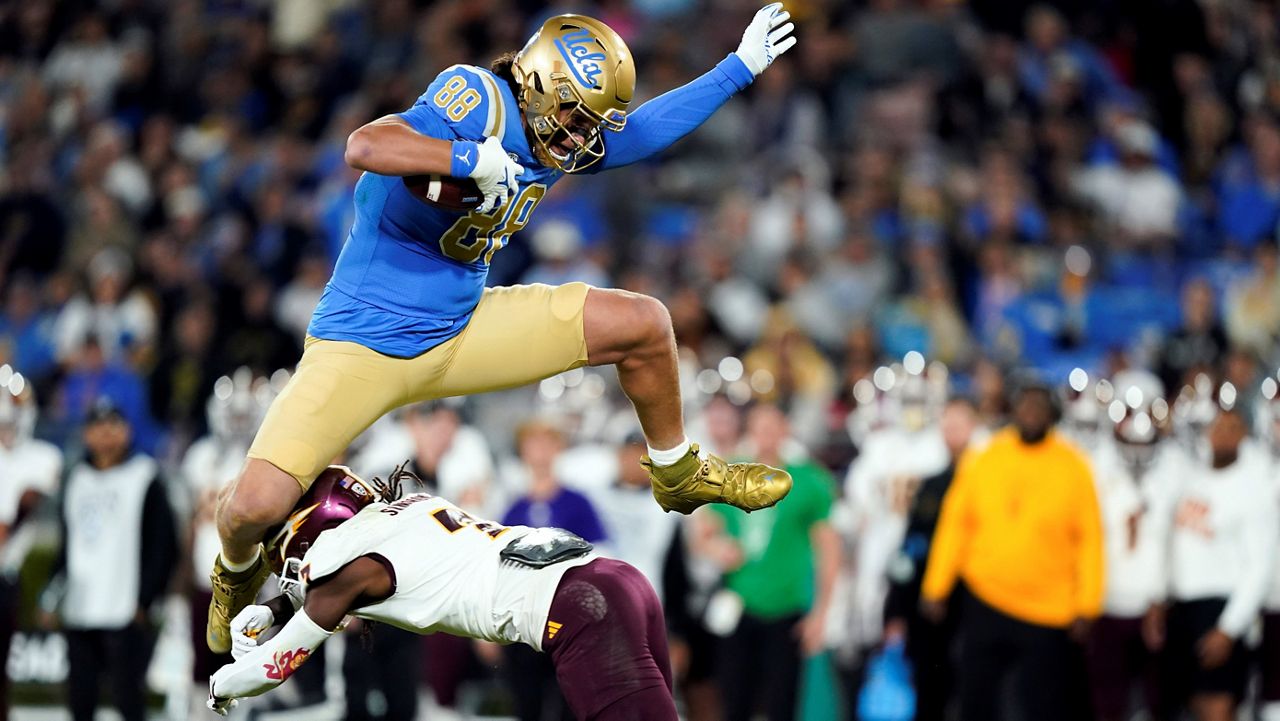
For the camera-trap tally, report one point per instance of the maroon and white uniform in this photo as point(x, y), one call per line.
point(1222, 553)
point(1136, 513)
point(598, 618)
point(447, 570)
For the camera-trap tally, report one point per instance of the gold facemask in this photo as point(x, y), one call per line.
point(578, 64)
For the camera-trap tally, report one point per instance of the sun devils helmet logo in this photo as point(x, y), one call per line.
point(579, 64)
point(335, 496)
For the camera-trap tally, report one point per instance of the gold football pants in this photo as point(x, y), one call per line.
point(517, 335)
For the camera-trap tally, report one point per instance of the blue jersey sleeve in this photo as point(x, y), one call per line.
point(659, 123)
point(463, 102)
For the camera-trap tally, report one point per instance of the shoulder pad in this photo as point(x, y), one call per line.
point(470, 100)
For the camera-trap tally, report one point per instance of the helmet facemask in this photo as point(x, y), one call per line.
point(576, 78)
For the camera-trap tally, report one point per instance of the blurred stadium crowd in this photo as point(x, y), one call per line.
point(924, 199)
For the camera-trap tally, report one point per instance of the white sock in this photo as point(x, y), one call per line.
point(1271, 711)
point(243, 566)
point(669, 456)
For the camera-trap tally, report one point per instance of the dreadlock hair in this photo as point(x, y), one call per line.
point(389, 491)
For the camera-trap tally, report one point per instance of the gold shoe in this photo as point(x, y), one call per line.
point(695, 480)
point(231, 593)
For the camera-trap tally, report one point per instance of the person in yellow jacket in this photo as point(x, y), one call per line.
point(1021, 529)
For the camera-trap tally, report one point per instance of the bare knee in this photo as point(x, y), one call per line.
point(620, 324)
point(652, 321)
point(260, 497)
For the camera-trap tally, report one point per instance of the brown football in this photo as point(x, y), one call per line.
point(445, 191)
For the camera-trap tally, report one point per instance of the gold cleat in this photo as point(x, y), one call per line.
point(231, 593)
point(695, 480)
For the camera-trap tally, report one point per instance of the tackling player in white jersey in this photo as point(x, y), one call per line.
point(422, 564)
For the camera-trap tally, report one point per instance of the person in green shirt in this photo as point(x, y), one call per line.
point(781, 563)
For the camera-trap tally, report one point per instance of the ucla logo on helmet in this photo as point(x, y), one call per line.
point(576, 49)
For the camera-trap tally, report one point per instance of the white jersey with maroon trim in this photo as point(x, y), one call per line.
point(1224, 538)
point(1136, 513)
point(1272, 603)
point(446, 570)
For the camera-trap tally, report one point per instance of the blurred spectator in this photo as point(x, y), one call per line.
point(787, 368)
point(544, 502)
point(1020, 527)
point(100, 223)
point(88, 60)
point(1223, 549)
point(1252, 313)
point(1050, 48)
point(561, 258)
point(928, 643)
point(257, 341)
point(184, 374)
point(117, 559)
point(895, 41)
point(32, 468)
point(1198, 342)
point(278, 240)
point(26, 329)
point(931, 309)
point(998, 286)
point(799, 213)
point(93, 377)
point(450, 457)
point(780, 566)
point(638, 532)
point(381, 668)
point(1137, 198)
point(298, 298)
point(719, 425)
point(1250, 200)
point(120, 320)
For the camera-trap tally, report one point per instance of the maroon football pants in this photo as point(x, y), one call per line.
point(608, 641)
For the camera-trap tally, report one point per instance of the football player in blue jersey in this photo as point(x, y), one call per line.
point(406, 316)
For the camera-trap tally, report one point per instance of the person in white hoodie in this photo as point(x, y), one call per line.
point(1267, 425)
point(1222, 551)
point(1134, 472)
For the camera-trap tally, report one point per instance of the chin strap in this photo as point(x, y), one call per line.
point(267, 666)
point(291, 585)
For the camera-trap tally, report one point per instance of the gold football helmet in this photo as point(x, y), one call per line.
point(578, 64)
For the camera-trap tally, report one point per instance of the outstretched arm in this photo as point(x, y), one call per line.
point(659, 123)
point(328, 600)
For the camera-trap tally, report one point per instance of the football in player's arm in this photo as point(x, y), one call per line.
point(422, 564)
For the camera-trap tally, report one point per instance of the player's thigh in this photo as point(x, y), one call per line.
point(517, 335)
point(339, 389)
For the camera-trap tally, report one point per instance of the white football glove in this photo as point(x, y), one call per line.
point(495, 173)
point(247, 626)
point(766, 38)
